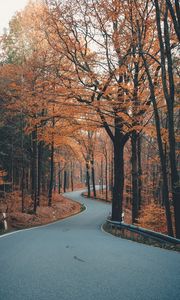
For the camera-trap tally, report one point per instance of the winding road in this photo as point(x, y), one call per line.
point(73, 259)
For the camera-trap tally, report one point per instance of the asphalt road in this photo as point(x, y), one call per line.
point(74, 259)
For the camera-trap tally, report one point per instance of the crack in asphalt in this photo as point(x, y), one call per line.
point(79, 259)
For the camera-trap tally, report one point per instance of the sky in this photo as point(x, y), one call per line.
point(7, 9)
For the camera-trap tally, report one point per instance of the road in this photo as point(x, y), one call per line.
point(74, 260)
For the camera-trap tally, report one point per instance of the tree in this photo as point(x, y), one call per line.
point(168, 85)
point(104, 92)
point(150, 59)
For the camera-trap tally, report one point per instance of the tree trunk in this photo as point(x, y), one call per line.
point(118, 186)
point(102, 177)
point(51, 175)
point(175, 180)
point(88, 179)
point(34, 169)
point(139, 171)
point(106, 175)
point(22, 166)
point(65, 180)
point(93, 176)
point(29, 178)
point(111, 173)
point(161, 152)
point(169, 96)
point(175, 14)
point(40, 153)
point(81, 174)
point(22, 182)
point(12, 167)
point(72, 181)
point(134, 162)
point(59, 179)
point(54, 179)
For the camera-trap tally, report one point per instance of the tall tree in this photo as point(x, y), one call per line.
point(168, 85)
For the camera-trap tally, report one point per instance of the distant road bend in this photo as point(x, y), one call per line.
point(74, 260)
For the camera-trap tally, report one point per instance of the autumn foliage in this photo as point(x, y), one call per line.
point(89, 95)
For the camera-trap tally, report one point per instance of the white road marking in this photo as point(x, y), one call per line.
point(5, 222)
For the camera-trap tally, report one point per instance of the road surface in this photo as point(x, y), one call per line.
point(74, 260)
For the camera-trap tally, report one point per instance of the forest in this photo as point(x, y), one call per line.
point(89, 97)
